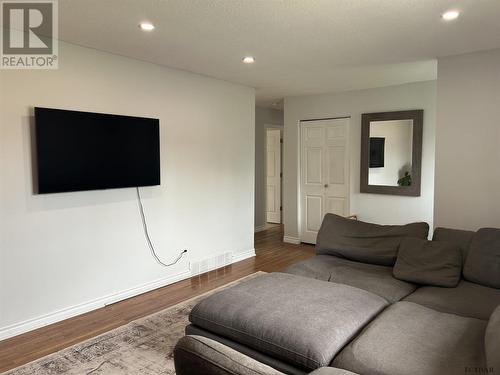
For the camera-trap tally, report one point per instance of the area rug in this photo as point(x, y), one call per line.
point(142, 347)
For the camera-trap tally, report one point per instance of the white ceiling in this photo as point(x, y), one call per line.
point(301, 46)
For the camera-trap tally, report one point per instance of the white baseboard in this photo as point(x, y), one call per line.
point(243, 255)
point(290, 239)
point(69, 312)
point(82, 308)
point(260, 228)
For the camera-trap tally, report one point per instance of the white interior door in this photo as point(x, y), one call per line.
point(324, 173)
point(273, 183)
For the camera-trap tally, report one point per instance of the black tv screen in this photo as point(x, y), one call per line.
point(88, 151)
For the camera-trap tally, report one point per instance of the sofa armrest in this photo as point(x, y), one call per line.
point(331, 371)
point(201, 355)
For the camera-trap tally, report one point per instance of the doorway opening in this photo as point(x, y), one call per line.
point(274, 174)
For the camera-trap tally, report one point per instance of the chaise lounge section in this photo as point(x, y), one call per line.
point(376, 300)
point(284, 316)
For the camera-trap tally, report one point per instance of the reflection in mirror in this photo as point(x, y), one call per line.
point(390, 153)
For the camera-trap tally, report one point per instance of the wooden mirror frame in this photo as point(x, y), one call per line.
point(416, 170)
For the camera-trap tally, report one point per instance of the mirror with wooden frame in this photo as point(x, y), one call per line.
point(391, 152)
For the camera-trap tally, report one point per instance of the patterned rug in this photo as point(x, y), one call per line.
point(142, 347)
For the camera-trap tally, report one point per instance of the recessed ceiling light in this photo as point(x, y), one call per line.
point(450, 15)
point(146, 26)
point(248, 59)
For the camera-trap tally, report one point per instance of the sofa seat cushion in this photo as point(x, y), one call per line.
point(364, 242)
point(370, 277)
point(409, 339)
point(300, 320)
point(467, 299)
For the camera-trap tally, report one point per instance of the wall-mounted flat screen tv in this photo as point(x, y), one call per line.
point(89, 151)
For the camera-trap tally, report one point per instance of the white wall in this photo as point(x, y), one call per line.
point(264, 118)
point(468, 141)
point(63, 254)
point(383, 209)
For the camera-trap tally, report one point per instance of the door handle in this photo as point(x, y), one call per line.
point(326, 185)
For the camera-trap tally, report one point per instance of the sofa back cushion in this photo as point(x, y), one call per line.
point(364, 242)
point(482, 265)
point(425, 262)
point(492, 342)
point(462, 238)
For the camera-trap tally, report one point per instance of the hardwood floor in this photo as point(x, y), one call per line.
point(272, 255)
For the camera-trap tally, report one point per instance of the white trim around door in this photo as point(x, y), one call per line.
point(273, 175)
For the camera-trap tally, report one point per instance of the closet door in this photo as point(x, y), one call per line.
point(324, 173)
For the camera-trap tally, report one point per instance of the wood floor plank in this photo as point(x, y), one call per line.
point(272, 254)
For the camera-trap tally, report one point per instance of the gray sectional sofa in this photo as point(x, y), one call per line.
point(375, 300)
